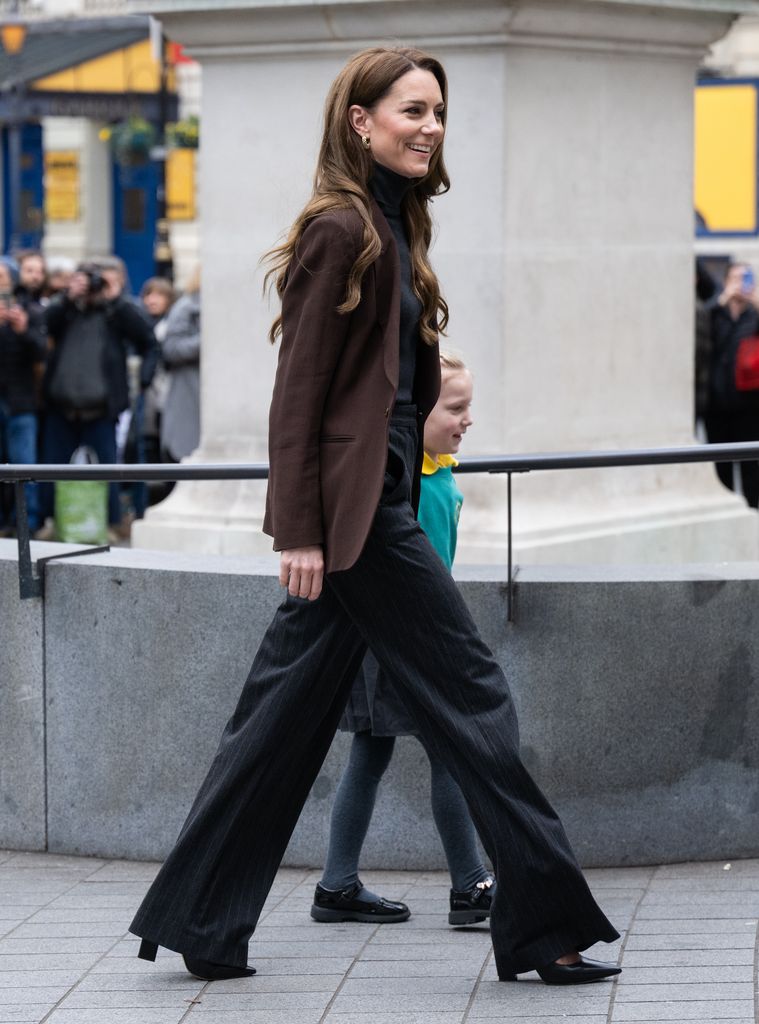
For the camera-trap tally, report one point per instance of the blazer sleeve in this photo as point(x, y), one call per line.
point(313, 336)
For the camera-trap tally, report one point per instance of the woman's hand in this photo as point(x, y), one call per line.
point(301, 570)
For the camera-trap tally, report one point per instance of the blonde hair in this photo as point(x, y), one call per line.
point(450, 361)
point(341, 182)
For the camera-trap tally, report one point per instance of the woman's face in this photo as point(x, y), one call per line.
point(405, 127)
point(156, 303)
point(449, 420)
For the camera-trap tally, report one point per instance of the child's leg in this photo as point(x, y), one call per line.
point(457, 831)
point(353, 808)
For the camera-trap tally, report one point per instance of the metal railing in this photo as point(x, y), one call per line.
point(31, 584)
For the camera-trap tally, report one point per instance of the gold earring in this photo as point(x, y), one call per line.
point(366, 142)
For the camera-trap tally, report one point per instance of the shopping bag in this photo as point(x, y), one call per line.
point(81, 506)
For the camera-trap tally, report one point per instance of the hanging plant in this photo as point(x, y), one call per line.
point(184, 134)
point(132, 140)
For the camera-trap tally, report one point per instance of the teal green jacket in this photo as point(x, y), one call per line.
point(440, 505)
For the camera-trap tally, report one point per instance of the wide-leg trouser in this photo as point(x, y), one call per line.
point(400, 600)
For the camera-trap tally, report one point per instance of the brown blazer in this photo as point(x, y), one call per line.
point(334, 391)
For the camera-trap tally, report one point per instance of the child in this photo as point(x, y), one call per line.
point(376, 716)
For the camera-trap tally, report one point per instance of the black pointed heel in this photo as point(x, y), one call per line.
point(148, 950)
point(208, 971)
point(580, 972)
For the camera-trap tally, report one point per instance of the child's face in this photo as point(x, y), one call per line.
point(448, 421)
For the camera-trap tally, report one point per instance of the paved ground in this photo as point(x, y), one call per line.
point(688, 949)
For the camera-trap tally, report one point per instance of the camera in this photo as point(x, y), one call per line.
point(95, 278)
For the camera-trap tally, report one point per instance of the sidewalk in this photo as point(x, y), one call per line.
point(688, 950)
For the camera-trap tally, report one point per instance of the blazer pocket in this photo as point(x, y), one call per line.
point(337, 438)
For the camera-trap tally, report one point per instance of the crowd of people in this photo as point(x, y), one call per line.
point(84, 364)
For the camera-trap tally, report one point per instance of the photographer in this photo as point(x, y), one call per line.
point(22, 350)
point(90, 330)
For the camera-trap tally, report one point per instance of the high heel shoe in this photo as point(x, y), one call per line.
point(580, 972)
point(206, 970)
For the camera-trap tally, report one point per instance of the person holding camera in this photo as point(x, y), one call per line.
point(22, 349)
point(90, 328)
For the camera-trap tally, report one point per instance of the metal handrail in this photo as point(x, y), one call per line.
point(134, 472)
point(31, 585)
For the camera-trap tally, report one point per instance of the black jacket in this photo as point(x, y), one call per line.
point(18, 355)
point(125, 327)
point(726, 335)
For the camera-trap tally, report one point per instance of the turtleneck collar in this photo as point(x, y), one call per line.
point(389, 188)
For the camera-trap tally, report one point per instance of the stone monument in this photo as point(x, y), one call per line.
point(564, 248)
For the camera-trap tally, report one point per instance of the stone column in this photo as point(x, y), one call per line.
point(565, 251)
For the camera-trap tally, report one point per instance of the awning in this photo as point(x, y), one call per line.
point(52, 46)
point(53, 75)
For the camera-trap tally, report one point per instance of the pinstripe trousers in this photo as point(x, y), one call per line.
point(400, 601)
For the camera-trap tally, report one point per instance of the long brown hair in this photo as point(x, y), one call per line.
point(342, 178)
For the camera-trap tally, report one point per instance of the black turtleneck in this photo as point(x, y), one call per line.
point(389, 188)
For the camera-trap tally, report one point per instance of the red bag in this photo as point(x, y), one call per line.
point(747, 364)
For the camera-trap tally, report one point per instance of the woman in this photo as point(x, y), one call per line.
point(358, 373)
point(180, 352)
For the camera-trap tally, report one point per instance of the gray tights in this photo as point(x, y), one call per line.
point(354, 805)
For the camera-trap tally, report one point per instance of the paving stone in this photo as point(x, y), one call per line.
point(111, 1016)
point(422, 1002)
point(554, 1015)
point(444, 951)
point(700, 925)
point(43, 962)
point(22, 995)
point(83, 915)
point(417, 969)
point(351, 1017)
point(81, 944)
point(282, 983)
point(636, 977)
point(67, 929)
point(723, 940)
point(37, 979)
point(557, 1018)
point(90, 999)
point(401, 986)
point(222, 1002)
point(179, 982)
point(687, 958)
point(317, 966)
point(683, 992)
point(459, 937)
point(200, 1016)
point(271, 948)
point(625, 1013)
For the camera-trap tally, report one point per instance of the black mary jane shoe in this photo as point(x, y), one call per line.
point(473, 906)
point(581, 972)
point(205, 970)
point(331, 905)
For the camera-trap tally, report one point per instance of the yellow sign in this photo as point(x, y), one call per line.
point(180, 184)
point(62, 184)
point(725, 159)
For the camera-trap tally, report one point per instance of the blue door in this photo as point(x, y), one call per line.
point(134, 219)
point(23, 218)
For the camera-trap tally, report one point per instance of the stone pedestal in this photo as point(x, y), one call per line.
point(565, 251)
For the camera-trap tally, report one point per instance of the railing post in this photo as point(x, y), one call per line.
point(29, 585)
point(510, 587)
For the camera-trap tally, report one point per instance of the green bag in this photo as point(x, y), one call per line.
point(81, 506)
